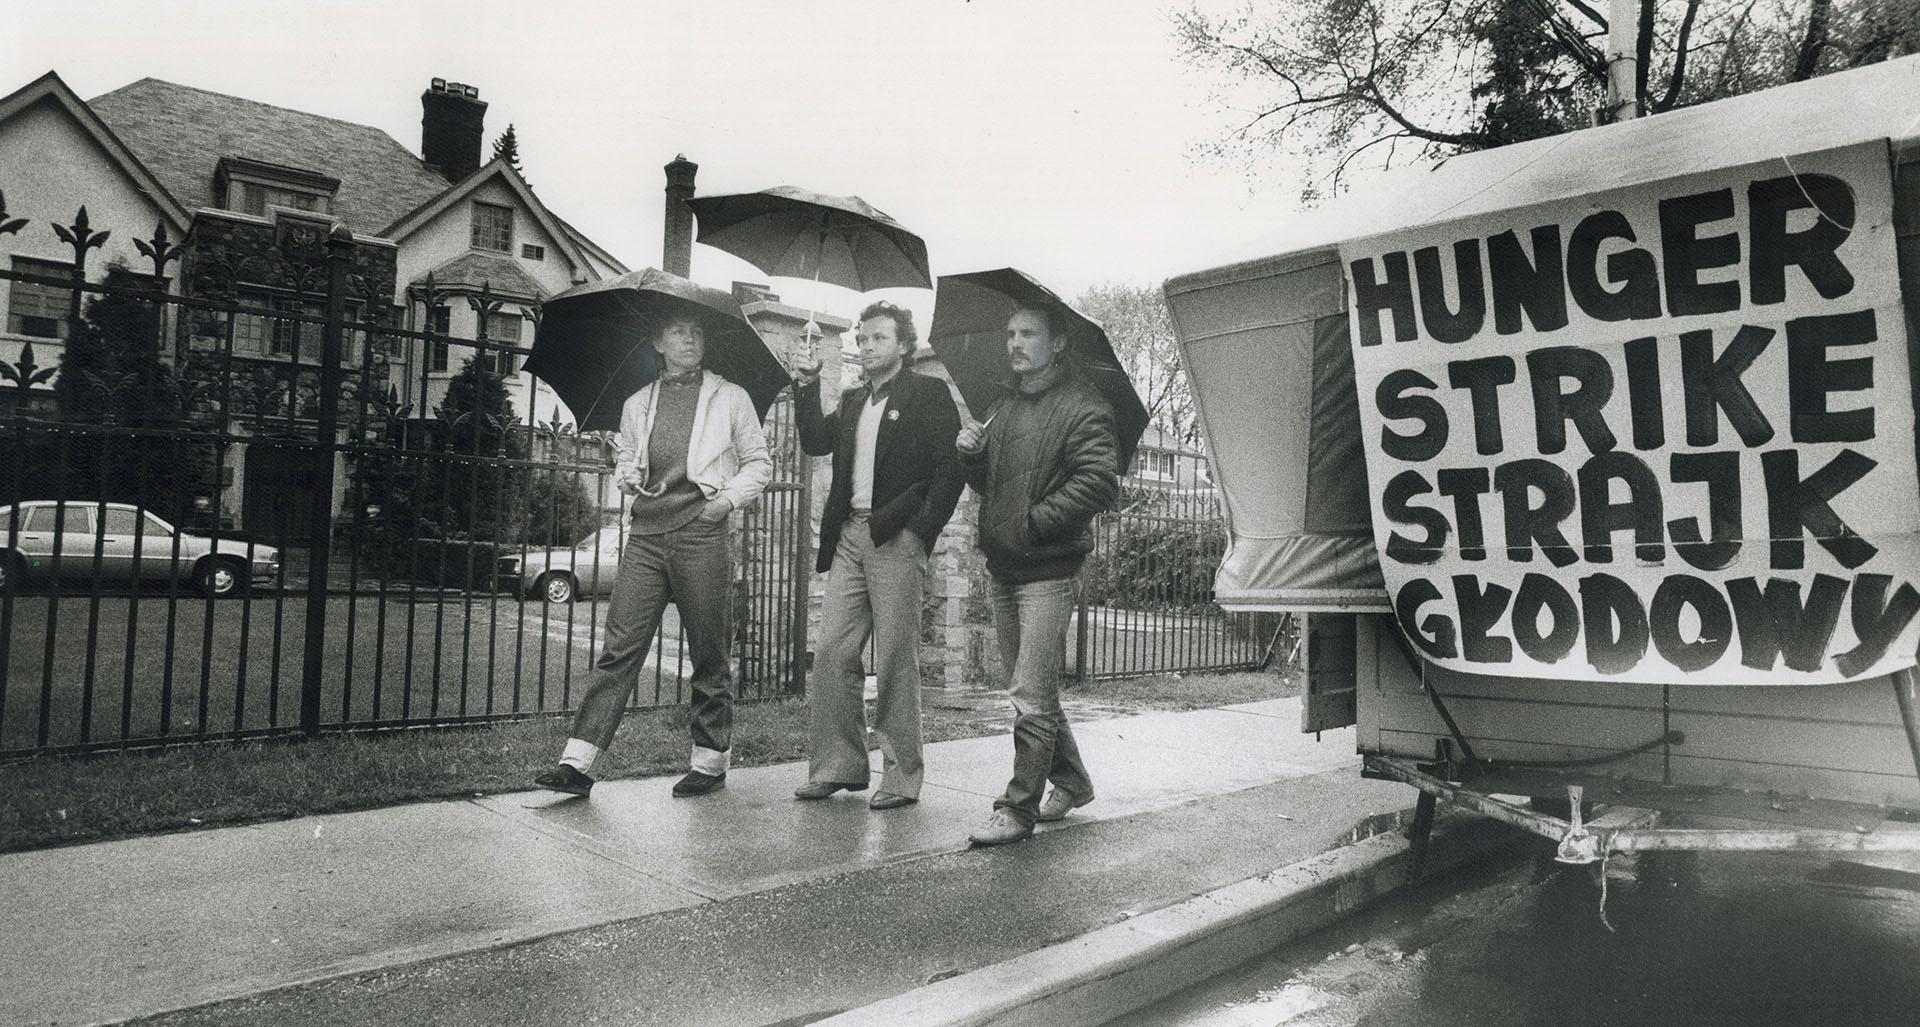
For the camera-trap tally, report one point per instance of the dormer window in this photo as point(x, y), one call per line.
point(256, 198)
point(252, 186)
point(492, 227)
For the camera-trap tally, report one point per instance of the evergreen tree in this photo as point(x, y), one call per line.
point(481, 499)
point(112, 377)
point(507, 147)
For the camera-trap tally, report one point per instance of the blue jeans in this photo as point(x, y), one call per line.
point(692, 568)
point(1031, 620)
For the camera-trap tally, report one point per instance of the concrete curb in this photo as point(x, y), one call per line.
point(1114, 970)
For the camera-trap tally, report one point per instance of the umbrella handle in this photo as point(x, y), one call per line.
point(811, 331)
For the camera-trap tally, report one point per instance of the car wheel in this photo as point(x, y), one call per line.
point(555, 587)
point(221, 578)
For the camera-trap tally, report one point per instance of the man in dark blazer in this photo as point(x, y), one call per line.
point(895, 482)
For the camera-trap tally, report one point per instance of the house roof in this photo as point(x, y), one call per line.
point(501, 274)
point(181, 133)
point(412, 220)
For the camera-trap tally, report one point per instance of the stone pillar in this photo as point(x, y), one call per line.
point(958, 649)
point(956, 623)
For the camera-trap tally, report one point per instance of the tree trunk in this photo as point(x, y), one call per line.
point(1814, 42)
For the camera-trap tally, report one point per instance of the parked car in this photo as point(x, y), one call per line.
point(132, 545)
point(558, 575)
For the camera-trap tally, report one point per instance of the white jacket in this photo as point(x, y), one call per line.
point(727, 455)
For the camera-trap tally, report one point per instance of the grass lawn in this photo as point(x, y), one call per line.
point(236, 665)
point(60, 800)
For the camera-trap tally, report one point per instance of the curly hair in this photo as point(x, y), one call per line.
point(902, 320)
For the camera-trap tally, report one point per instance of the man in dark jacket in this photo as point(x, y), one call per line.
point(894, 487)
point(1045, 464)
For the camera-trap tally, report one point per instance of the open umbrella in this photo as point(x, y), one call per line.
point(797, 233)
point(969, 334)
point(595, 343)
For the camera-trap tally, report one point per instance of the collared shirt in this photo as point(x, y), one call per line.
point(866, 438)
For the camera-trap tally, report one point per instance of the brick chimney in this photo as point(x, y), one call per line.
point(452, 117)
point(676, 249)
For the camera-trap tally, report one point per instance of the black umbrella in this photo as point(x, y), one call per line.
point(796, 233)
point(969, 334)
point(595, 343)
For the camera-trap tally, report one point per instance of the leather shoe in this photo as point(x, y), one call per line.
point(888, 800)
point(821, 789)
point(1003, 827)
point(1059, 803)
point(696, 783)
point(564, 778)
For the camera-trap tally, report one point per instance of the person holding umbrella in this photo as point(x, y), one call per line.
point(1045, 463)
point(895, 483)
point(691, 452)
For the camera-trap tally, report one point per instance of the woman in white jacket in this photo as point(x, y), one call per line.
point(691, 452)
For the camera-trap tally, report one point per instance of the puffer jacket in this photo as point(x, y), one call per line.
point(1047, 468)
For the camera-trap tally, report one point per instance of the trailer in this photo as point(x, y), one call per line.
point(1590, 464)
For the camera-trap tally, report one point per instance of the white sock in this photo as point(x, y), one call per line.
point(579, 754)
point(712, 762)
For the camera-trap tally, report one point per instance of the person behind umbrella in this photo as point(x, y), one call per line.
point(690, 453)
point(1044, 464)
point(895, 482)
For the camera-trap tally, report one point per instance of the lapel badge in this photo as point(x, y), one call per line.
point(893, 415)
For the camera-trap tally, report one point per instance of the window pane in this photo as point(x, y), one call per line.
point(492, 227)
point(437, 348)
point(152, 527)
point(38, 310)
point(119, 521)
point(504, 327)
point(78, 521)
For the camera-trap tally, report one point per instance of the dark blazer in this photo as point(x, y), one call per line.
point(916, 476)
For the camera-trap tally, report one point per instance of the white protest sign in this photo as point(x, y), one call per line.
point(1661, 433)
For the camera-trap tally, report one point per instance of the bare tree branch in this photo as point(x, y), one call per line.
point(1643, 50)
point(1679, 76)
point(1592, 15)
point(1819, 13)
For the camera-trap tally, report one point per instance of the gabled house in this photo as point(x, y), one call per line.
point(204, 163)
point(251, 190)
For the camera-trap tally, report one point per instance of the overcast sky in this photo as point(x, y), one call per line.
point(1054, 136)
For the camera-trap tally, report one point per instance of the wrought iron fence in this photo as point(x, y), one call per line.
point(287, 512)
point(1146, 596)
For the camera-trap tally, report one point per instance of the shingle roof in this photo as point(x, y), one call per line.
point(181, 133)
point(472, 270)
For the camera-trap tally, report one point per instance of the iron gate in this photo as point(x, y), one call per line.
point(1146, 595)
point(269, 513)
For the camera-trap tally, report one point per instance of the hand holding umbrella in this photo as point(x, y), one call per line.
point(969, 333)
point(796, 233)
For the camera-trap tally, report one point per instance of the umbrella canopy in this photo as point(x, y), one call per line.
point(595, 343)
point(796, 233)
point(969, 333)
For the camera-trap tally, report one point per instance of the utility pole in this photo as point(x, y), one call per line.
point(1623, 61)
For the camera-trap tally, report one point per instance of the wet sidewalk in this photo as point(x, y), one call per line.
point(116, 930)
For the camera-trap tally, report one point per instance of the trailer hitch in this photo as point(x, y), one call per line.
point(1578, 845)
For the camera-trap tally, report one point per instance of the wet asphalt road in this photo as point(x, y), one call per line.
point(1700, 940)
